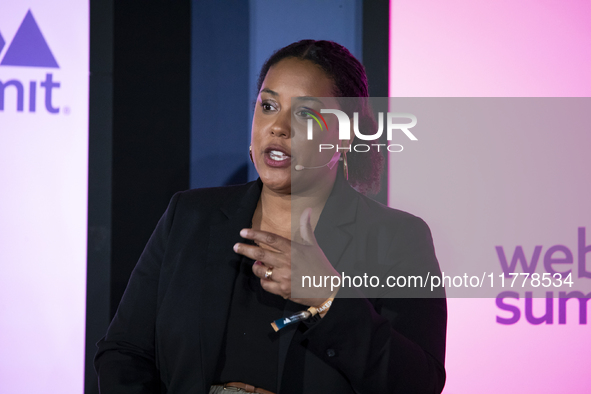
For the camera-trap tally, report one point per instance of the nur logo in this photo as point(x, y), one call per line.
point(345, 129)
point(28, 49)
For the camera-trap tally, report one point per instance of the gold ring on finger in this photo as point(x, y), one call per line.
point(268, 273)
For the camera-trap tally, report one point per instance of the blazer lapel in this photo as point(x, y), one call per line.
point(336, 226)
point(334, 232)
point(221, 269)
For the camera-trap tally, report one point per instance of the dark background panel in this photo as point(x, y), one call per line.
point(139, 142)
point(151, 120)
point(376, 40)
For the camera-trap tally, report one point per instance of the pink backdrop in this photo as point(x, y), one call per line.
point(499, 49)
point(43, 194)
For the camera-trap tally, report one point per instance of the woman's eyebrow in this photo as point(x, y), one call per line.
point(309, 98)
point(272, 92)
point(300, 98)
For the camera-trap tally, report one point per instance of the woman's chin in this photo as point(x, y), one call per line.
point(286, 181)
point(277, 180)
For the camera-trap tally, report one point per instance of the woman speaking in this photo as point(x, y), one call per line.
point(212, 305)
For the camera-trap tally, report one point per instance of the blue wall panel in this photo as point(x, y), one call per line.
point(219, 91)
point(231, 41)
point(275, 24)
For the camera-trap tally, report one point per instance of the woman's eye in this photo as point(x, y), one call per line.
point(267, 107)
point(304, 114)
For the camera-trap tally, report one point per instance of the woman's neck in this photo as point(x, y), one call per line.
point(280, 213)
point(273, 213)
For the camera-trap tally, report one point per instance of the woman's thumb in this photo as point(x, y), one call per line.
point(306, 227)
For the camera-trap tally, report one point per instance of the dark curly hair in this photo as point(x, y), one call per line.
point(350, 80)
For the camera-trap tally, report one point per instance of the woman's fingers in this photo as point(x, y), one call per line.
point(306, 230)
point(276, 288)
point(268, 257)
point(263, 237)
point(273, 258)
point(261, 270)
point(277, 282)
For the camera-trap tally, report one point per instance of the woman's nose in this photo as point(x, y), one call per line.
point(282, 126)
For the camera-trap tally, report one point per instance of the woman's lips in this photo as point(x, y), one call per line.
point(277, 158)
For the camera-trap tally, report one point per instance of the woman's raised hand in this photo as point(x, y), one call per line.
point(283, 261)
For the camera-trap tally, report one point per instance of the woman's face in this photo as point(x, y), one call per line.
point(277, 144)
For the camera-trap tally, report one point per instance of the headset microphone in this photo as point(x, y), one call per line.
point(330, 164)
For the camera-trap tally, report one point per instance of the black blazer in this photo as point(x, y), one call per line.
point(167, 333)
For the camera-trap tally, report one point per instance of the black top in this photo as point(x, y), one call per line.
point(250, 350)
